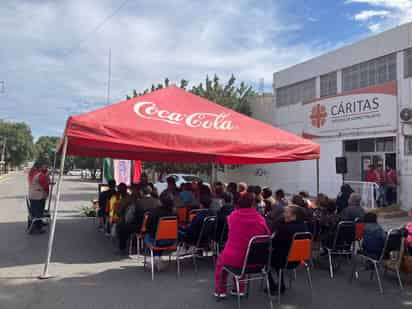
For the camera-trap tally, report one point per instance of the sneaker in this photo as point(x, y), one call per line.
point(234, 293)
point(107, 234)
point(220, 295)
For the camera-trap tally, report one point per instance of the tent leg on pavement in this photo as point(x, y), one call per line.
point(45, 273)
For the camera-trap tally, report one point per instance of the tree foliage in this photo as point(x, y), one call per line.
point(19, 142)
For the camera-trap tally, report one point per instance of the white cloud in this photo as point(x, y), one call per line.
point(390, 13)
point(54, 66)
point(368, 14)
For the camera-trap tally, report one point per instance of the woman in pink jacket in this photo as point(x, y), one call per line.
point(243, 223)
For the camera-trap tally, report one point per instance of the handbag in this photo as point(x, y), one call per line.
point(406, 264)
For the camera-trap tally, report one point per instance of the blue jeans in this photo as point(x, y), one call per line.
point(37, 210)
point(149, 241)
point(382, 196)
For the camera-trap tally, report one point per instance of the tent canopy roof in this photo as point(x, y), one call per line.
point(174, 125)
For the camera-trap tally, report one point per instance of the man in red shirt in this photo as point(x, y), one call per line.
point(38, 192)
point(391, 183)
point(371, 174)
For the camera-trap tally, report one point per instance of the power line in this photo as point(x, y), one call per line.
point(98, 26)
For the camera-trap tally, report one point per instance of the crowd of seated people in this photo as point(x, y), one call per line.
point(244, 211)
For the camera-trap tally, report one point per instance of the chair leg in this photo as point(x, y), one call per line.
point(268, 288)
point(279, 284)
point(295, 275)
point(354, 270)
point(178, 261)
point(309, 276)
point(379, 277)
point(399, 278)
point(238, 291)
point(330, 264)
point(194, 261)
point(131, 245)
point(152, 260)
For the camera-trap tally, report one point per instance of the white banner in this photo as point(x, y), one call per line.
point(122, 171)
point(351, 112)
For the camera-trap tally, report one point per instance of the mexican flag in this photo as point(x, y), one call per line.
point(107, 170)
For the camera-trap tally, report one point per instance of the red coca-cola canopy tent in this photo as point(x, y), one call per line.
point(174, 125)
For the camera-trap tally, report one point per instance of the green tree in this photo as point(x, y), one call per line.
point(45, 147)
point(19, 142)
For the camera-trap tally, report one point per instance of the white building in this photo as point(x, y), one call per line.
point(349, 101)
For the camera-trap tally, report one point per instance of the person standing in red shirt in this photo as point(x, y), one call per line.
point(38, 192)
point(371, 174)
point(382, 186)
point(391, 183)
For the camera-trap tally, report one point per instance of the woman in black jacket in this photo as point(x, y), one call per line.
point(293, 223)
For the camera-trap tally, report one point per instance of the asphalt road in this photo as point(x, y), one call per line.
point(89, 275)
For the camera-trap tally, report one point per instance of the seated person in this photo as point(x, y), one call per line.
point(373, 236)
point(186, 195)
point(275, 216)
point(190, 234)
point(354, 209)
point(165, 209)
point(293, 223)
point(146, 201)
point(113, 206)
point(131, 218)
point(103, 200)
point(409, 237)
point(223, 213)
point(328, 222)
point(244, 223)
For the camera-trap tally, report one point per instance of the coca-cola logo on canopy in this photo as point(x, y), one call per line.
point(149, 110)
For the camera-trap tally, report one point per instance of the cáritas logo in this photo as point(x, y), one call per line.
point(150, 111)
point(318, 115)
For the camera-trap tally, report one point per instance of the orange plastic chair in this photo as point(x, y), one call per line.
point(166, 230)
point(182, 214)
point(359, 227)
point(300, 253)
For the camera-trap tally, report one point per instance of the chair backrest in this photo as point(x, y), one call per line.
point(207, 232)
point(224, 233)
point(182, 214)
point(167, 229)
point(143, 228)
point(345, 235)
point(359, 227)
point(394, 242)
point(193, 213)
point(301, 248)
point(258, 254)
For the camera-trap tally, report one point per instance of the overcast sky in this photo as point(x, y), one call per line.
point(54, 54)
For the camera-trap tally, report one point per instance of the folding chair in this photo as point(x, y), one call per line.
point(394, 243)
point(166, 231)
point(342, 243)
point(139, 236)
point(359, 227)
point(256, 264)
point(193, 213)
point(300, 253)
point(182, 213)
point(221, 239)
point(31, 221)
point(203, 242)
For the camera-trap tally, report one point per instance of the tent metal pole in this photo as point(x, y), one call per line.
point(317, 178)
point(52, 180)
point(45, 274)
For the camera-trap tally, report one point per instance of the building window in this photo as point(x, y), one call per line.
point(408, 145)
point(351, 146)
point(373, 72)
point(367, 145)
point(408, 63)
point(328, 84)
point(296, 93)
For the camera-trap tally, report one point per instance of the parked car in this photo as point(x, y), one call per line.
point(180, 179)
point(75, 172)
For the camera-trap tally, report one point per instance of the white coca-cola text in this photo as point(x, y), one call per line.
point(149, 110)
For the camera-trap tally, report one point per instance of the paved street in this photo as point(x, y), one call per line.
point(89, 275)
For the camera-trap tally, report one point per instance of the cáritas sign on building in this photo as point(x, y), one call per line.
point(368, 109)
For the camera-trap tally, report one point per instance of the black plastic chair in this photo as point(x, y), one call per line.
point(394, 243)
point(342, 243)
point(256, 264)
point(203, 243)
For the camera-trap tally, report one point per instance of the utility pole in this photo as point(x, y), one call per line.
point(3, 155)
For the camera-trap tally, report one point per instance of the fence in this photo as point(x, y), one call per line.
point(367, 191)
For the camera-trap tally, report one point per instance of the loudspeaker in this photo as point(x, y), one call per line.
point(341, 167)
